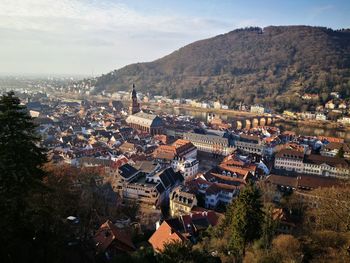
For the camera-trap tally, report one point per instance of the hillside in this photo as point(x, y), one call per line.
point(269, 66)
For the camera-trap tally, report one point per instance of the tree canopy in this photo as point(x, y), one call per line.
point(247, 218)
point(21, 160)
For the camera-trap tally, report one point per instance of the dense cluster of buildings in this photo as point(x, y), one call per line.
point(174, 164)
point(335, 109)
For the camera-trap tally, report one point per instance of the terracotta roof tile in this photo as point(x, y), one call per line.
point(163, 235)
point(108, 234)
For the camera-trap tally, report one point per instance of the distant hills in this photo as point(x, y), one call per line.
point(272, 66)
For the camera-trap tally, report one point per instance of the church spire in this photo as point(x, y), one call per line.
point(134, 106)
point(133, 92)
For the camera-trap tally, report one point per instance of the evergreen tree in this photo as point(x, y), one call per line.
point(247, 219)
point(340, 153)
point(269, 226)
point(20, 175)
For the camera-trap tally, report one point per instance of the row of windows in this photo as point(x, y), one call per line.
point(249, 149)
point(288, 163)
point(289, 160)
point(313, 165)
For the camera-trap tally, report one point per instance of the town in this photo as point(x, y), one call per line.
point(175, 131)
point(176, 173)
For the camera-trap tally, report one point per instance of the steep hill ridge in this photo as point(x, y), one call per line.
point(252, 65)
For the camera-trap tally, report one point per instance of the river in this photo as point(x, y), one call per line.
point(300, 130)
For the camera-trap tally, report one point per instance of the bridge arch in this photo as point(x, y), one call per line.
point(262, 121)
point(247, 124)
point(239, 124)
point(268, 121)
point(255, 122)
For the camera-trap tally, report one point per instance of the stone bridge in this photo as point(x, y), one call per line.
point(252, 122)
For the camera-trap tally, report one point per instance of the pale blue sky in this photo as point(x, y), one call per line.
point(97, 36)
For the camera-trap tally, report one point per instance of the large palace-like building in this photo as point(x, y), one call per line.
point(143, 121)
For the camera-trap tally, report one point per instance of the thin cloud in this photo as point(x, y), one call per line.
point(319, 10)
point(91, 30)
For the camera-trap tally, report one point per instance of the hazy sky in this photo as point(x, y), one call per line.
point(97, 36)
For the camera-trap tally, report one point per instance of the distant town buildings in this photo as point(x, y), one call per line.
point(257, 109)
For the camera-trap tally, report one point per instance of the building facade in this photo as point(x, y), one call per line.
point(296, 161)
point(181, 201)
point(145, 122)
point(257, 109)
point(210, 143)
point(189, 167)
point(250, 144)
point(290, 160)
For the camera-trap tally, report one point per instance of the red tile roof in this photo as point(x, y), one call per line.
point(109, 235)
point(181, 228)
point(164, 234)
point(330, 139)
point(289, 153)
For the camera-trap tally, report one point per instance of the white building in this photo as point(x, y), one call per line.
point(210, 143)
point(290, 160)
point(257, 109)
point(217, 105)
point(224, 107)
point(293, 160)
point(344, 120)
point(321, 117)
point(326, 166)
point(188, 168)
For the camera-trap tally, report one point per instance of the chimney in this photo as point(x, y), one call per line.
point(157, 224)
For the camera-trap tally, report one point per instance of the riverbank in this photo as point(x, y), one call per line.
point(329, 125)
point(221, 111)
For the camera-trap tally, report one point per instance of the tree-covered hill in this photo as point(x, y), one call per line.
point(252, 65)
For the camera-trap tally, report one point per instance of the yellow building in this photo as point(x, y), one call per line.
point(181, 201)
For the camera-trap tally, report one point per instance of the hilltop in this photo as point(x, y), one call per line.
point(273, 66)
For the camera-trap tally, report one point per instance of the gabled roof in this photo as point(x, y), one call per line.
point(169, 178)
point(163, 235)
point(160, 188)
point(180, 228)
point(210, 139)
point(178, 148)
point(331, 161)
point(240, 171)
point(127, 146)
point(127, 170)
point(291, 154)
point(227, 179)
point(289, 181)
point(109, 235)
point(337, 146)
point(145, 119)
point(303, 181)
point(313, 181)
point(145, 165)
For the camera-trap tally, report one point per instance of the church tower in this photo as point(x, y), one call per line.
point(134, 105)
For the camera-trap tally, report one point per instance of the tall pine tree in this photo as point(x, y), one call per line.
point(247, 218)
point(20, 174)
